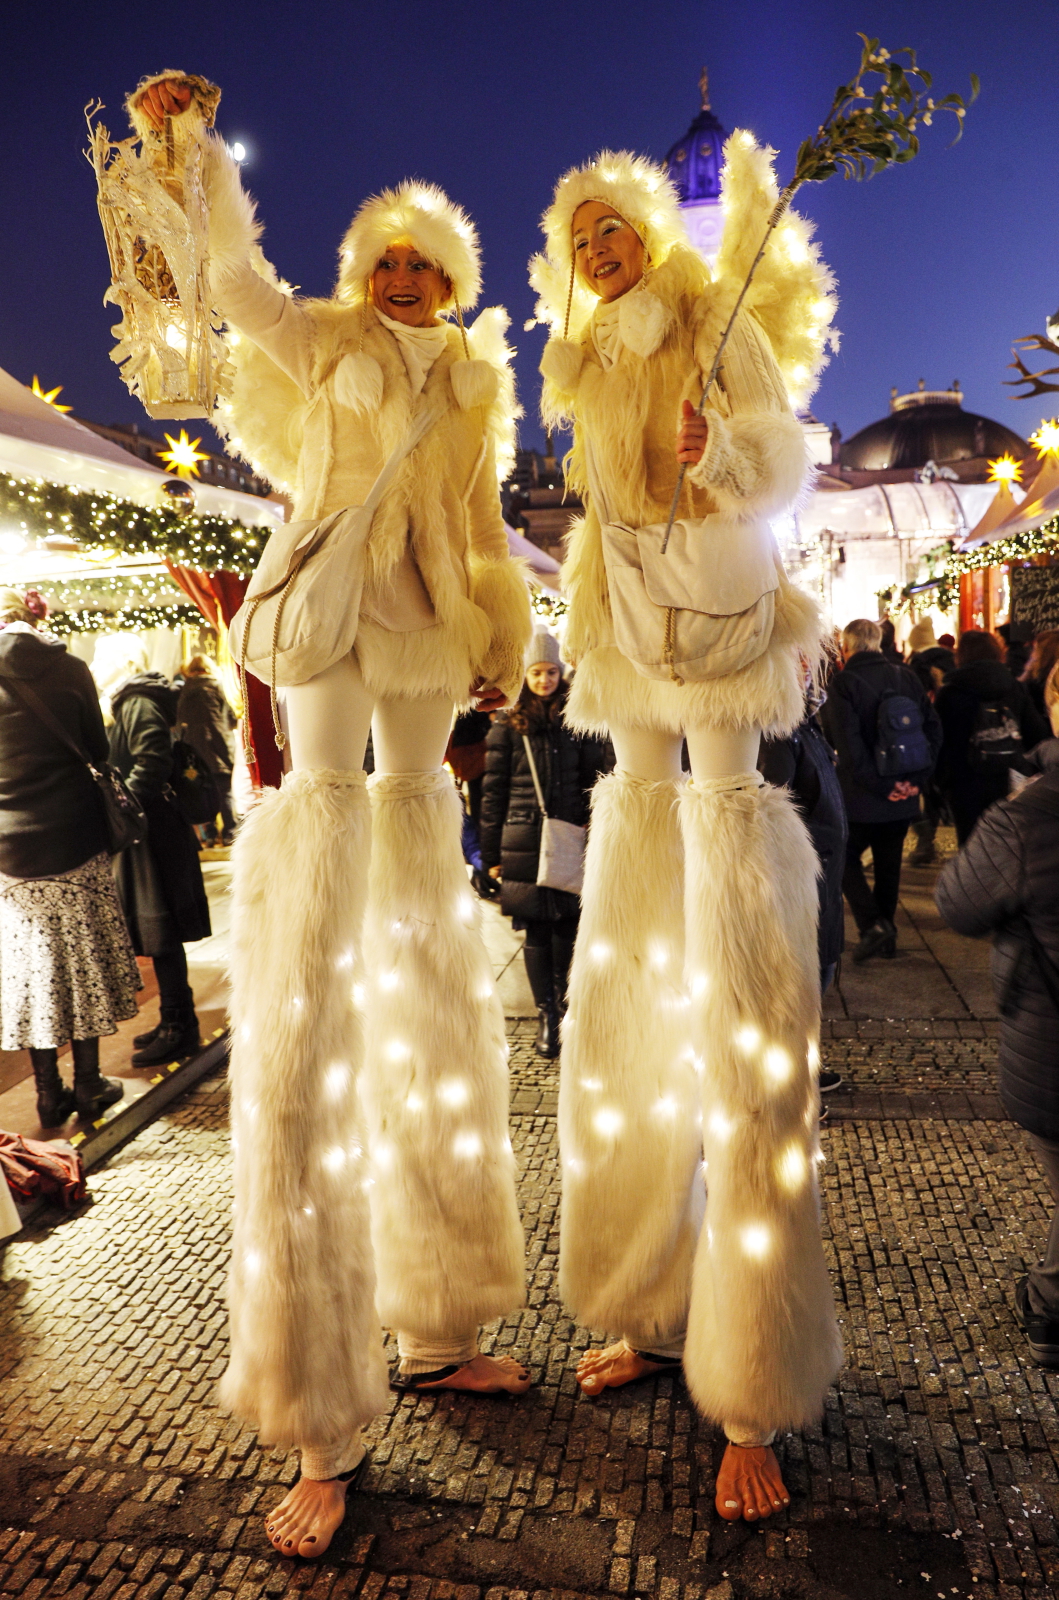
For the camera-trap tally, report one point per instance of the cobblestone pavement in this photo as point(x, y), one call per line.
point(933, 1473)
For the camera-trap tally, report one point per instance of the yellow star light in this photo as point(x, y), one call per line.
point(1046, 439)
point(183, 455)
point(49, 398)
point(1005, 469)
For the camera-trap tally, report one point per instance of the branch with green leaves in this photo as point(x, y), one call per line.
point(872, 125)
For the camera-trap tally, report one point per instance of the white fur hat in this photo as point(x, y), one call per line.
point(422, 212)
point(638, 189)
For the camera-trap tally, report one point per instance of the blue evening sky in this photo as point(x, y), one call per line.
point(940, 264)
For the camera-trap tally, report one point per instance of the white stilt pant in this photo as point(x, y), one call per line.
point(628, 1100)
point(445, 1224)
point(762, 1344)
point(306, 1364)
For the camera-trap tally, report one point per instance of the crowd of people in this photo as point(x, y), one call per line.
point(72, 921)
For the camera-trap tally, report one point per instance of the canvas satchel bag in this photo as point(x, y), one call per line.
point(561, 863)
point(702, 607)
point(302, 605)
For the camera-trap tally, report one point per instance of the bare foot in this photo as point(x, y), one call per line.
point(304, 1523)
point(485, 1375)
point(616, 1365)
point(749, 1483)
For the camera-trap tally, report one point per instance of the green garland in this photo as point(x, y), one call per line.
point(1016, 547)
point(107, 524)
point(549, 607)
point(130, 619)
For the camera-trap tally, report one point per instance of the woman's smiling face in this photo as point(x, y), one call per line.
point(407, 288)
point(608, 252)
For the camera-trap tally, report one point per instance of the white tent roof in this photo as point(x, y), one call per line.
point(36, 441)
point(898, 510)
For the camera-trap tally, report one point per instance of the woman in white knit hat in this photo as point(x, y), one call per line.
point(530, 748)
point(339, 974)
point(694, 1000)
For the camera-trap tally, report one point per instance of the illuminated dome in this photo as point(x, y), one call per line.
point(928, 425)
point(694, 165)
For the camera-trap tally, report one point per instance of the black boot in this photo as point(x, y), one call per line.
point(878, 940)
point(176, 1036)
point(55, 1101)
point(562, 955)
point(538, 959)
point(142, 1040)
point(94, 1092)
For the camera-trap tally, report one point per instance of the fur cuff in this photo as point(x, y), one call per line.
point(561, 364)
point(643, 322)
point(358, 382)
point(205, 95)
point(499, 588)
point(752, 464)
point(474, 383)
point(234, 228)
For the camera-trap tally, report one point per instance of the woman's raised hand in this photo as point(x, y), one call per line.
point(691, 434)
point(487, 697)
point(167, 98)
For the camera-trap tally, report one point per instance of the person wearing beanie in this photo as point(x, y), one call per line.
point(567, 765)
point(931, 661)
point(694, 998)
point(347, 975)
point(921, 637)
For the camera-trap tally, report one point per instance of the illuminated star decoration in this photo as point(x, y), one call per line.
point(1046, 439)
point(49, 398)
point(183, 455)
point(1005, 469)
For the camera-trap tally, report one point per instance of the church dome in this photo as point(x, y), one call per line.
point(928, 425)
point(694, 163)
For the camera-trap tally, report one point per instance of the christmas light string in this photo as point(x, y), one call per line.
point(104, 524)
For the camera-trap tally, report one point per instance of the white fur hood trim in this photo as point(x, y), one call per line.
point(422, 212)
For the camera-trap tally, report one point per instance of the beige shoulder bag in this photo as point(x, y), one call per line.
point(691, 602)
point(561, 863)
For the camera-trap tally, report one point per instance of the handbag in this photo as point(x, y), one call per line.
point(561, 862)
point(303, 601)
point(125, 820)
point(692, 601)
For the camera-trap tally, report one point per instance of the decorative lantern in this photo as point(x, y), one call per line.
point(176, 494)
point(152, 203)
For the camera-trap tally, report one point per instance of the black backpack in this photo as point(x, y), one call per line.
point(901, 744)
point(996, 740)
point(193, 784)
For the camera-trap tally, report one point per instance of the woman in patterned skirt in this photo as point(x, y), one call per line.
point(67, 971)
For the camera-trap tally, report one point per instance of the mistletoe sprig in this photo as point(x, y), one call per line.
point(868, 130)
point(862, 134)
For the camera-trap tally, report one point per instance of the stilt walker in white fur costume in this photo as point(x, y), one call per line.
point(341, 973)
point(694, 1002)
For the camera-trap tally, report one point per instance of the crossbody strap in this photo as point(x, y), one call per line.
point(533, 775)
point(31, 698)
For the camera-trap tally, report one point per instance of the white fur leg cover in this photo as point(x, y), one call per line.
point(628, 1098)
point(762, 1343)
point(306, 1363)
point(448, 1240)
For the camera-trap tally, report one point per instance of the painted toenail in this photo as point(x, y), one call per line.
point(731, 1504)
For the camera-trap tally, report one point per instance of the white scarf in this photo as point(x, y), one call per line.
point(419, 347)
point(606, 332)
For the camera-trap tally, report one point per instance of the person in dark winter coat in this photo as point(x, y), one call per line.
point(983, 709)
point(160, 880)
point(568, 765)
point(1005, 881)
point(67, 970)
point(931, 663)
point(207, 722)
point(879, 808)
point(804, 763)
point(1044, 654)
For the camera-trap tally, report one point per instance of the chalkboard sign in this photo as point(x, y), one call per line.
point(1034, 600)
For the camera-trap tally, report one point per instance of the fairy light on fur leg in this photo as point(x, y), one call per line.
point(467, 1145)
point(454, 1092)
point(748, 1038)
point(608, 1122)
point(778, 1065)
point(336, 1080)
point(755, 1241)
point(792, 1168)
point(335, 1158)
point(397, 1050)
